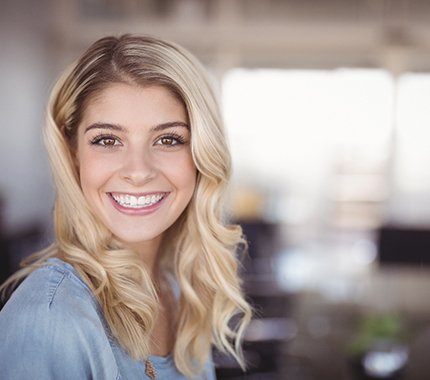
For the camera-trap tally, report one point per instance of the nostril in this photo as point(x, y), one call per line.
point(138, 170)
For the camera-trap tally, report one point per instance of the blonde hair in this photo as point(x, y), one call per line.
point(201, 245)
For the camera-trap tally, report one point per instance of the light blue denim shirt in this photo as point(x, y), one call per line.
point(52, 328)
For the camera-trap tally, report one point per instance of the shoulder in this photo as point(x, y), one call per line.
point(52, 290)
point(53, 321)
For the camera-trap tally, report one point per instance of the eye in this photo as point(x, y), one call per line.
point(170, 140)
point(105, 141)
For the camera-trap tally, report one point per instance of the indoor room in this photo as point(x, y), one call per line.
point(325, 105)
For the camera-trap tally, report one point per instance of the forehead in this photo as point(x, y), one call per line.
point(125, 101)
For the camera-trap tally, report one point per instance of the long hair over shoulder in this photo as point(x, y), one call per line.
point(200, 249)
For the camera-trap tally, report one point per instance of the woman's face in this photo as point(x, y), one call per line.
point(135, 163)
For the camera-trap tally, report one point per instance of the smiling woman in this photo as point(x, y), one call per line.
point(142, 279)
point(135, 163)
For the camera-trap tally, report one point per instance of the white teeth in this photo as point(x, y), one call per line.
point(131, 201)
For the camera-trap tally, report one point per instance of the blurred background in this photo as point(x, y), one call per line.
point(326, 108)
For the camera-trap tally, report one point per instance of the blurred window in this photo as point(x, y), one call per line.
point(413, 133)
point(308, 136)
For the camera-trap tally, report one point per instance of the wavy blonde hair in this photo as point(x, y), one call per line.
point(201, 245)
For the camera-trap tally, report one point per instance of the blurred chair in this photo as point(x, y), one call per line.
point(403, 245)
point(14, 247)
point(5, 268)
point(271, 329)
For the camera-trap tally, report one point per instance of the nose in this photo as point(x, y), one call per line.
point(138, 166)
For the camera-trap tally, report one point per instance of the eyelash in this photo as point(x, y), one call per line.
point(176, 140)
point(100, 138)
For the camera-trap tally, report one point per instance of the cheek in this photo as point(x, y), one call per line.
point(88, 182)
point(93, 173)
point(183, 174)
point(190, 174)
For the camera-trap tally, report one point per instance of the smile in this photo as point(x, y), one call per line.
point(137, 202)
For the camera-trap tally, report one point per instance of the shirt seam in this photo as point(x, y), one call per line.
point(53, 291)
point(68, 273)
point(74, 277)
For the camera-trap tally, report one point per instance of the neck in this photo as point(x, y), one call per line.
point(148, 252)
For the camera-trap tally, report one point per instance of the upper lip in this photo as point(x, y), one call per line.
point(145, 194)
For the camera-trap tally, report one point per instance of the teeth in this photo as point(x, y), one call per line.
point(132, 201)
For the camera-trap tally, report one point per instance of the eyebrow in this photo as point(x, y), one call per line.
point(112, 127)
point(170, 124)
point(156, 128)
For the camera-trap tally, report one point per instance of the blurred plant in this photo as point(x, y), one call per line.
point(379, 349)
point(377, 330)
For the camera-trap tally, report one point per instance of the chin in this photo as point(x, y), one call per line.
point(137, 241)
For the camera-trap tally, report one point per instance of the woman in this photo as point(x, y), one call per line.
point(142, 279)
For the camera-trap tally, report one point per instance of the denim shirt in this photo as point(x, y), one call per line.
point(53, 328)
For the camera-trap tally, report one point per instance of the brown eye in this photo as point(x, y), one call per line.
point(167, 141)
point(108, 142)
point(170, 140)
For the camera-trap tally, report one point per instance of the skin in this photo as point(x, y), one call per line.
point(135, 141)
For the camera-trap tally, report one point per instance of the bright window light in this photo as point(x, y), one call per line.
point(413, 137)
point(290, 129)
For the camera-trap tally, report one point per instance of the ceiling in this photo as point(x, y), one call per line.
point(394, 34)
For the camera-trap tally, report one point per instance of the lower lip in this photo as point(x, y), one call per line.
point(137, 211)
